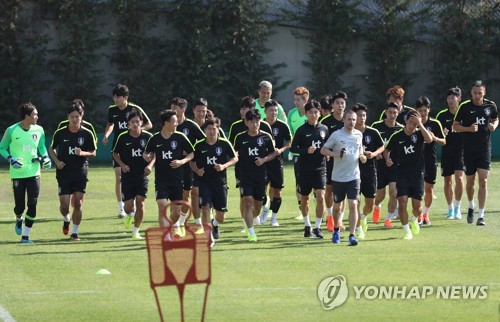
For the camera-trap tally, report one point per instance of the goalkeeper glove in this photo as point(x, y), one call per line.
point(15, 162)
point(46, 163)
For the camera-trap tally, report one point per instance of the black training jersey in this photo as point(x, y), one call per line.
point(88, 125)
point(66, 143)
point(409, 150)
point(191, 130)
point(401, 119)
point(239, 126)
point(372, 141)
point(281, 133)
point(332, 123)
point(249, 148)
point(433, 126)
point(309, 135)
point(167, 150)
point(207, 155)
point(385, 133)
point(454, 143)
point(119, 118)
point(468, 114)
point(130, 150)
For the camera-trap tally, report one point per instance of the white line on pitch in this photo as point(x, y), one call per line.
point(63, 292)
point(5, 315)
point(272, 288)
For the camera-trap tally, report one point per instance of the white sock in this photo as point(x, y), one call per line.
point(197, 221)
point(135, 230)
point(74, 229)
point(341, 217)
point(426, 210)
point(307, 223)
point(378, 206)
point(457, 203)
point(406, 228)
point(67, 218)
point(471, 204)
point(413, 218)
point(26, 231)
point(273, 216)
point(330, 211)
point(318, 222)
point(359, 228)
point(177, 225)
point(389, 216)
point(120, 205)
point(215, 222)
point(363, 216)
point(450, 207)
point(480, 213)
point(182, 219)
point(251, 231)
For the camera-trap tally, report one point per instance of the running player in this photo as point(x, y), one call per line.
point(423, 106)
point(452, 158)
point(254, 147)
point(373, 146)
point(408, 145)
point(86, 124)
point(127, 152)
point(307, 142)
point(194, 133)
point(170, 150)
point(386, 175)
point(117, 123)
point(21, 145)
point(334, 122)
point(297, 117)
point(70, 149)
point(396, 95)
point(282, 138)
point(345, 145)
point(476, 119)
point(212, 156)
point(265, 91)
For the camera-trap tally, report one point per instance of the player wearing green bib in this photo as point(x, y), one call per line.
point(265, 91)
point(22, 145)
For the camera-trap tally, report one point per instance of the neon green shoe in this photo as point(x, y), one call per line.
point(360, 234)
point(200, 231)
point(127, 221)
point(137, 236)
point(408, 235)
point(364, 225)
point(415, 228)
point(252, 238)
point(177, 233)
point(183, 230)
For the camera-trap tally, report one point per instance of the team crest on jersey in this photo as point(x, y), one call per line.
point(173, 145)
point(126, 115)
point(142, 143)
point(322, 134)
point(368, 139)
point(276, 131)
point(34, 137)
point(260, 141)
point(487, 111)
point(81, 141)
point(428, 128)
point(414, 138)
point(185, 131)
point(218, 151)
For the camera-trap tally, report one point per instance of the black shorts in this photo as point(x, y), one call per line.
point(385, 175)
point(134, 186)
point(275, 173)
point(188, 177)
point(341, 189)
point(165, 191)
point(430, 171)
point(369, 186)
point(329, 169)
point(254, 188)
point(476, 160)
point(310, 181)
point(69, 184)
point(410, 186)
point(196, 180)
point(214, 195)
point(451, 163)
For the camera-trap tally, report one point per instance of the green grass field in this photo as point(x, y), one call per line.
point(275, 279)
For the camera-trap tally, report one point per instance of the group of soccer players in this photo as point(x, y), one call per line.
point(336, 155)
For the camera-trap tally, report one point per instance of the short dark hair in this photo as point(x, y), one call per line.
point(252, 114)
point(247, 101)
point(340, 94)
point(392, 105)
point(178, 101)
point(423, 101)
point(215, 121)
point(312, 104)
point(166, 115)
point(270, 103)
point(25, 109)
point(75, 105)
point(120, 90)
point(479, 83)
point(133, 113)
point(326, 102)
point(200, 101)
point(412, 112)
point(455, 91)
point(359, 107)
